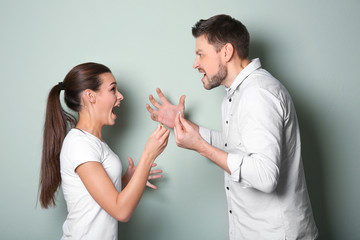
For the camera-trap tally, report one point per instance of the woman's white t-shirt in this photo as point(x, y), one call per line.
point(86, 219)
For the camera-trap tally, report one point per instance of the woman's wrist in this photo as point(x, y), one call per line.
point(148, 158)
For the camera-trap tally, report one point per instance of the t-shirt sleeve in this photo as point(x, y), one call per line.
point(84, 150)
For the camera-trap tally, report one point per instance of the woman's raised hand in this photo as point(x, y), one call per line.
point(157, 142)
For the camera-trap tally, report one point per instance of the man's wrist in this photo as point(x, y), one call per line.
point(203, 148)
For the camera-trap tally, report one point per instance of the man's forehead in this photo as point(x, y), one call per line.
point(202, 45)
point(201, 41)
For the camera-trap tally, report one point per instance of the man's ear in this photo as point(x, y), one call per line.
point(228, 52)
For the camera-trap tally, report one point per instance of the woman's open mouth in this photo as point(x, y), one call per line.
point(113, 112)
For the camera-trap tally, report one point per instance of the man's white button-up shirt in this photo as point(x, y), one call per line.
point(266, 190)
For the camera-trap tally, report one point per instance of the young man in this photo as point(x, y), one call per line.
point(259, 146)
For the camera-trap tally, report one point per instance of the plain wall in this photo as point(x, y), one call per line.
point(312, 47)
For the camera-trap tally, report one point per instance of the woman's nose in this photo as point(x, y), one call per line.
point(120, 96)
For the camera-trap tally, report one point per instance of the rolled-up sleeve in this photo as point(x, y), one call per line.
point(234, 162)
point(262, 138)
point(235, 157)
point(213, 137)
point(205, 134)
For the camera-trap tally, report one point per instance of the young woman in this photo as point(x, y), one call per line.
point(83, 164)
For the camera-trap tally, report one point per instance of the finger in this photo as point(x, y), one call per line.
point(150, 185)
point(155, 171)
point(160, 128)
point(153, 165)
point(154, 117)
point(154, 102)
point(153, 113)
point(161, 95)
point(131, 162)
point(177, 127)
point(182, 102)
point(184, 122)
point(163, 139)
point(175, 133)
point(157, 176)
point(160, 133)
point(165, 136)
point(150, 109)
point(178, 118)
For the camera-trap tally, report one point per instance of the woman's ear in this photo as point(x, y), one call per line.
point(89, 96)
point(228, 52)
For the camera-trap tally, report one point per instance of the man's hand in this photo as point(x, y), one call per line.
point(166, 112)
point(187, 134)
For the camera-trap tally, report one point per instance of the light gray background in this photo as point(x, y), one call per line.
point(310, 46)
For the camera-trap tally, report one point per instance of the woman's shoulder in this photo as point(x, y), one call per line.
point(79, 138)
point(80, 145)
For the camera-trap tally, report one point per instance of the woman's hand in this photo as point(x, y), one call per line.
point(157, 142)
point(166, 112)
point(154, 174)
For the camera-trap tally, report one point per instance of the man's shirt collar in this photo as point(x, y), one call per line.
point(251, 67)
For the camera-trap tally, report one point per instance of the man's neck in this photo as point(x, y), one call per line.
point(234, 67)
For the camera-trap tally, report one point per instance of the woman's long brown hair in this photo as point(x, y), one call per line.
point(57, 121)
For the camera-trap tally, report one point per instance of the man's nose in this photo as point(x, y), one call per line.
point(196, 64)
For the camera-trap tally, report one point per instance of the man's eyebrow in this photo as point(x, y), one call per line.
point(198, 51)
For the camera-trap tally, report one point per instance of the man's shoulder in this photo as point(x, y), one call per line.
point(262, 80)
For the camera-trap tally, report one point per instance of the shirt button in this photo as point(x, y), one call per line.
point(229, 99)
point(225, 144)
point(227, 121)
point(230, 211)
point(227, 188)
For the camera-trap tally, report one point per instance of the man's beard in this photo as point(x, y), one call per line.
point(217, 79)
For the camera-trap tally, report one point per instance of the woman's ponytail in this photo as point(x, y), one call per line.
point(55, 127)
